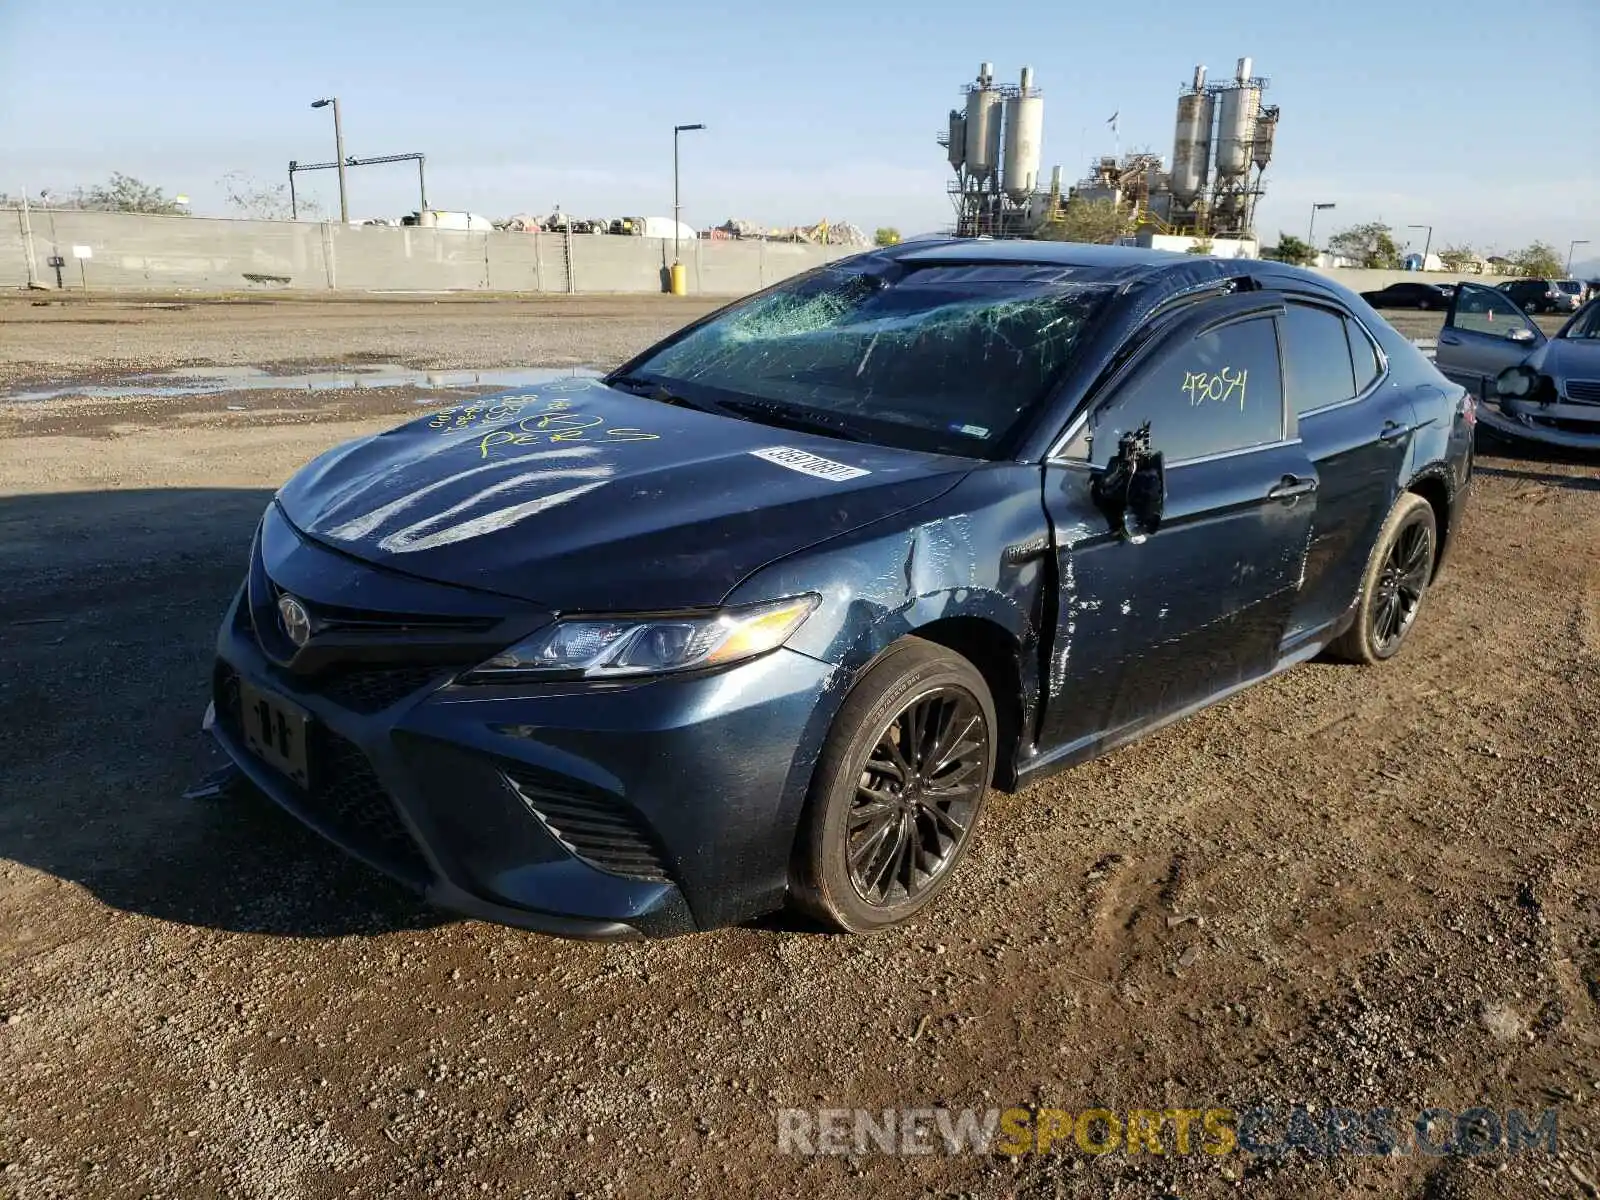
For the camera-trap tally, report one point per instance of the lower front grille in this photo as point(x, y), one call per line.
point(348, 797)
point(225, 698)
point(597, 829)
point(1584, 391)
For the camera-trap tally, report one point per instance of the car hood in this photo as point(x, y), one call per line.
point(579, 496)
point(1567, 358)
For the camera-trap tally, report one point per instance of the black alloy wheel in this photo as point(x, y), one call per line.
point(917, 796)
point(898, 789)
point(1404, 578)
point(1399, 572)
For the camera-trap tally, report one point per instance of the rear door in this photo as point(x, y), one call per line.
point(1147, 628)
point(1357, 433)
point(1484, 333)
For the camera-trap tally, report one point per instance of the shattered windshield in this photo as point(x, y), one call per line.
point(948, 358)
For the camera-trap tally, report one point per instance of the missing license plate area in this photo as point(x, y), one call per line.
point(276, 731)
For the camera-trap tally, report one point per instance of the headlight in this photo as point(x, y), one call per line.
point(1516, 382)
point(611, 647)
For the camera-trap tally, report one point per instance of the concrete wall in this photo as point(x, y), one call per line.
point(201, 254)
point(1358, 279)
point(134, 251)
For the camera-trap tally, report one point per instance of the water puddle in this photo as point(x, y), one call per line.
point(197, 381)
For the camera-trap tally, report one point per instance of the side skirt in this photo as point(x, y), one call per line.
point(1303, 648)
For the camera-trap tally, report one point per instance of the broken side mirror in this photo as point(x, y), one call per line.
point(1131, 490)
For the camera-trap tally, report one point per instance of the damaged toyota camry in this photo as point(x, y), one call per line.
point(763, 616)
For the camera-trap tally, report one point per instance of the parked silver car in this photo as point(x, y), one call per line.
point(1528, 386)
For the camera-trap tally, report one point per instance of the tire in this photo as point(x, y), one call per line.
point(1400, 569)
point(862, 828)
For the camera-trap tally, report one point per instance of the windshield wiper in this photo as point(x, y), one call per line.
point(651, 389)
point(769, 412)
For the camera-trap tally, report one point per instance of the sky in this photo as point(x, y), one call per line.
point(1479, 117)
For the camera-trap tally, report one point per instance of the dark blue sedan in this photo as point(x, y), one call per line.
point(763, 616)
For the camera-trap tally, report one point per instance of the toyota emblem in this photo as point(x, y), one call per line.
point(296, 620)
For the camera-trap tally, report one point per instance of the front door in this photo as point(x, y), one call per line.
point(1484, 333)
point(1146, 628)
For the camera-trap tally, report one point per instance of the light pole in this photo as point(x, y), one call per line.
point(676, 222)
point(1425, 245)
point(1311, 233)
point(338, 153)
point(1571, 246)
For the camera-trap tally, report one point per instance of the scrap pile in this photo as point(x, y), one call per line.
point(823, 233)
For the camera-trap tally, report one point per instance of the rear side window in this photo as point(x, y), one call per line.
point(1364, 355)
point(1218, 392)
point(1316, 358)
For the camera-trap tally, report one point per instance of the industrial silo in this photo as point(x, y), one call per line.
point(1191, 144)
point(958, 138)
point(1019, 173)
point(983, 126)
point(1266, 126)
point(1236, 123)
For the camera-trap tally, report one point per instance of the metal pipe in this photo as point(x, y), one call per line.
point(422, 183)
point(352, 161)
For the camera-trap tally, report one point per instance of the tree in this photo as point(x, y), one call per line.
point(124, 193)
point(1369, 245)
point(887, 235)
point(251, 197)
point(1458, 258)
point(1291, 250)
point(1201, 246)
point(1537, 261)
point(1097, 221)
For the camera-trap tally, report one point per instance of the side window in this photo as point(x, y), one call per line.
point(1482, 310)
point(1316, 358)
point(1364, 354)
point(1219, 392)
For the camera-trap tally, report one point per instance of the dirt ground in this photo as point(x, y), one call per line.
point(1347, 887)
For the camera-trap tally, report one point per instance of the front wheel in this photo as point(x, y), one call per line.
point(1398, 574)
point(898, 790)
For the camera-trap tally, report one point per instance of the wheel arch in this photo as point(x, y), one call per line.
point(1433, 485)
point(997, 655)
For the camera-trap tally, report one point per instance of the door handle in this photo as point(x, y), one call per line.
point(1449, 339)
point(1291, 486)
point(1393, 431)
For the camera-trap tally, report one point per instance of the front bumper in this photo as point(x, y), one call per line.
point(1564, 424)
point(655, 808)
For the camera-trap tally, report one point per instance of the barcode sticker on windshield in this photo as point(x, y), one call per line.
point(810, 464)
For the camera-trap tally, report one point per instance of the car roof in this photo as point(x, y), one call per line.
point(1117, 265)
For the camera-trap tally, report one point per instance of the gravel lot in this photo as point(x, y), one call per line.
point(1345, 887)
